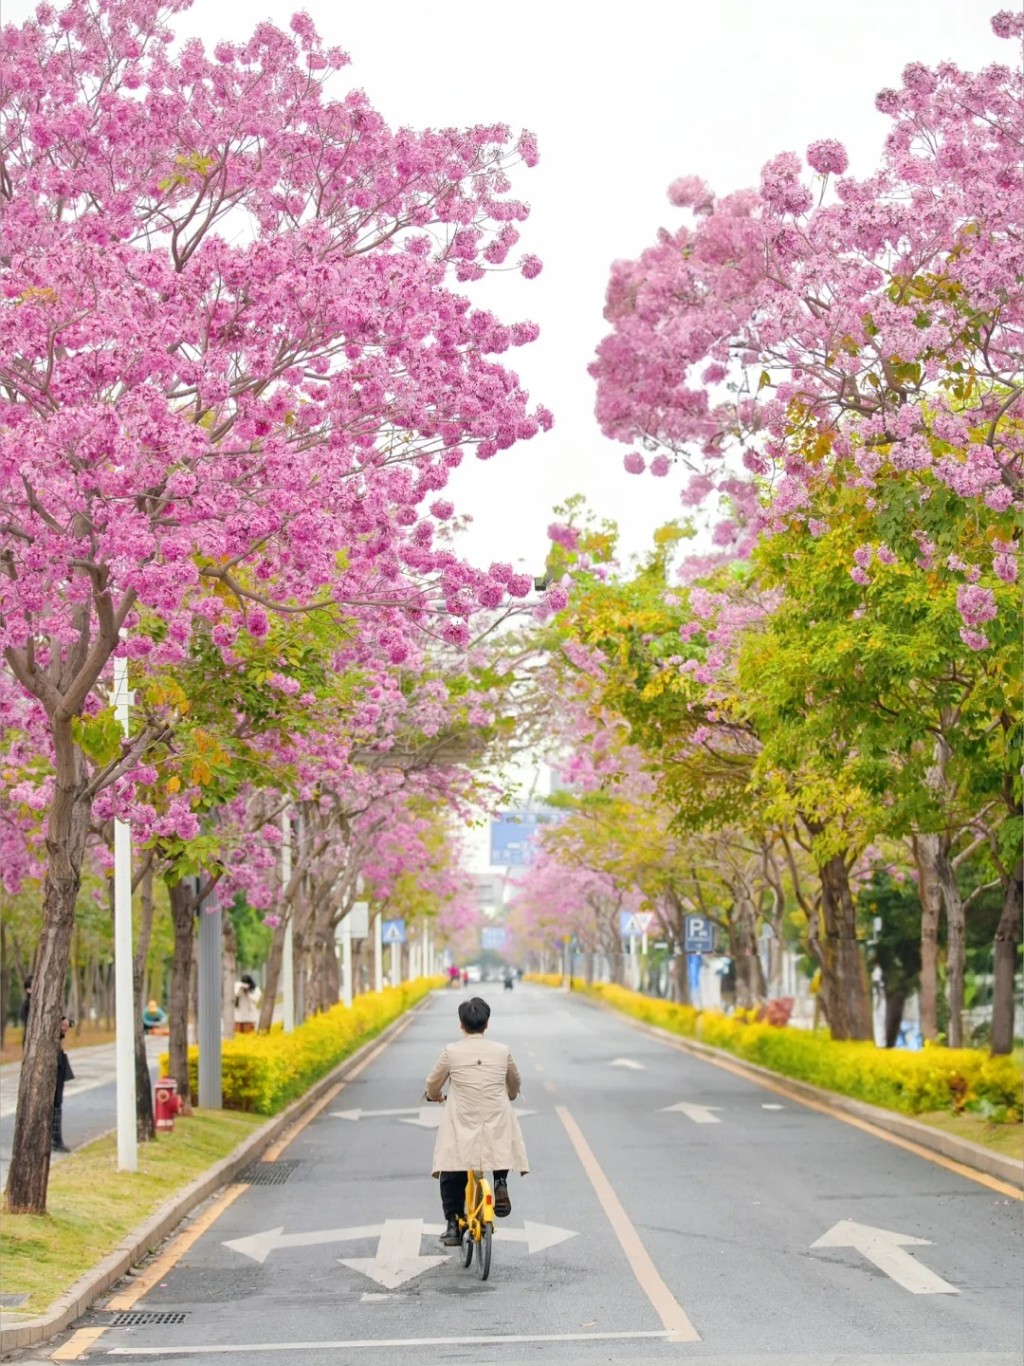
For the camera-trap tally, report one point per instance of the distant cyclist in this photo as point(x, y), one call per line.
point(478, 1128)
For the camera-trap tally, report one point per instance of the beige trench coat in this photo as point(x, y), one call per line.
point(478, 1128)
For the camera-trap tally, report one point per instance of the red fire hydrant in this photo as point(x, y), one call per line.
point(166, 1103)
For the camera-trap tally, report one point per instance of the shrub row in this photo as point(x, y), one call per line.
point(934, 1078)
point(263, 1072)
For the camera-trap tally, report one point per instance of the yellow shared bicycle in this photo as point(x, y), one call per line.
point(477, 1224)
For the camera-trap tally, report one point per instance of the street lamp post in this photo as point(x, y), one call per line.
point(124, 995)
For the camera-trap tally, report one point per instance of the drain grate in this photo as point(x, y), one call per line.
point(136, 1318)
point(266, 1173)
point(12, 1301)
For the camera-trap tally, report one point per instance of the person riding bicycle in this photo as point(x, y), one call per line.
point(478, 1129)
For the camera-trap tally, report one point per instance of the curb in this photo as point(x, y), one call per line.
point(961, 1150)
point(144, 1239)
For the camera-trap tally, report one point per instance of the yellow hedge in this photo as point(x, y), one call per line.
point(934, 1078)
point(263, 1072)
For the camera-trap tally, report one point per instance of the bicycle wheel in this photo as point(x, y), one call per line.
point(483, 1251)
point(466, 1250)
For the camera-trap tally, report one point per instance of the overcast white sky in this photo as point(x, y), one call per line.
point(623, 98)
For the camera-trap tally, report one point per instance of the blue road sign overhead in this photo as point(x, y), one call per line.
point(512, 837)
point(493, 937)
point(698, 934)
point(392, 932)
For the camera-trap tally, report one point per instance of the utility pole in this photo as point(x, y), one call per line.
point(124, 995)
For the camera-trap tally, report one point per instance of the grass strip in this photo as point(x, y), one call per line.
point(92, 1205)
point(1006, 1139)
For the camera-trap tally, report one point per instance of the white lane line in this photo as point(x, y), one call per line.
point(773, 1107)
point(672, 1314)
point(342, 1344)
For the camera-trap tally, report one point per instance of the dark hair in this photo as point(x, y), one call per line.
point(248, 981)
point(474, 1015)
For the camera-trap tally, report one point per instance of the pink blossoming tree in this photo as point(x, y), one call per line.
point(233, 366)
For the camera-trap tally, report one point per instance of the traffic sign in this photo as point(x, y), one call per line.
point(493, 937)
point(698, 934)
point(392, 932)
point(635, 924)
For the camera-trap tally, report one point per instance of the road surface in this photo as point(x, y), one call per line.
point(674, 1212)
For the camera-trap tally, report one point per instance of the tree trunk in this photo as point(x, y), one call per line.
point(67, 830)
point(145, 1127)
point(743, 948)
point(273, 977)
point(1008, 936)
point(845, 997)
point(894, 1003)
point(183, 920)
point(956, 948)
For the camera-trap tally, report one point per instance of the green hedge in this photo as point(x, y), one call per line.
point(935, 1078)
point(263, 1072)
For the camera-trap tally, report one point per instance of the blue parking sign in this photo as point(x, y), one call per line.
point(698, 934)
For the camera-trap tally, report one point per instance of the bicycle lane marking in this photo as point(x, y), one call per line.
point(673, 1316)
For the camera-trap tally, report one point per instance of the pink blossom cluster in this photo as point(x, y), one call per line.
point(782, 337)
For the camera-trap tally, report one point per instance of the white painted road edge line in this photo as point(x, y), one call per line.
point(496, 1339)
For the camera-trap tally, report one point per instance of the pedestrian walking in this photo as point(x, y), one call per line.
point(247, 1004)
point(64, 1074)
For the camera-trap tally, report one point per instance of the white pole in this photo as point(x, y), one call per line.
point(378, 954)
point(396, 964)
point(124, 1002)
point(346, 961)
point(287, 961)
point(427, 965)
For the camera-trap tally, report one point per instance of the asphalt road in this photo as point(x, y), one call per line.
point(642, 1234)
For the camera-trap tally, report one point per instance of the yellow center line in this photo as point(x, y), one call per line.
point(673, 1316)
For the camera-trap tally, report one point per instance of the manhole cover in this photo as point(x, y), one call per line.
point(136, 1318)
point(266, 1173)
point(12, 1301)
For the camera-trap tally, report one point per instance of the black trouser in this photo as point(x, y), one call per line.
point(453, 1191)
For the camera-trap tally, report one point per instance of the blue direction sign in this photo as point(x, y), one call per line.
point(392, 932)
point(698, 934)
point(493, 937)
point(512, 836)
point(635, 924)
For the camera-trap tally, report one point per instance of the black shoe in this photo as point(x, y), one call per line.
point(502, 1204)
point(452, 1236)
point(59, 1148)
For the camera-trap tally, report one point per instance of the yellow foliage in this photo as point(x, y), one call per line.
point(263, 1072)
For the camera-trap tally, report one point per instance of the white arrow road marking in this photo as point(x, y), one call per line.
point(773, 1107)
point(430, 1117)
point(397, 1258)
point(884, 1249)
point(700, 1114)
point(628, 1062)
point(376, 1114)
point(259, 1246)
point(537, 1237)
